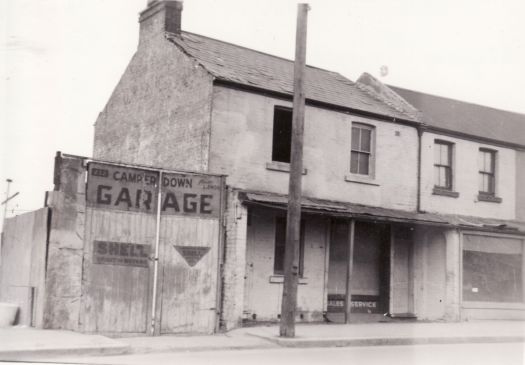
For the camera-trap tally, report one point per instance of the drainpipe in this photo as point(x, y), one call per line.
point(420, 130)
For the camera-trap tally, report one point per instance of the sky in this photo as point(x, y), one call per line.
point(61, 59)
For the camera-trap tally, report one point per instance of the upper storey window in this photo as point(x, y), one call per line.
point(361, 159)
point(282, 134)
point(443, 165)
point(487, 171)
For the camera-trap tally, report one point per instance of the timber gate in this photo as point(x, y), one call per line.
point(152, 248)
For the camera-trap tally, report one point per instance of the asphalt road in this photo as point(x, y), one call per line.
point(471, 354)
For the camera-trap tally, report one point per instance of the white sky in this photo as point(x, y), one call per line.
point(61, 59)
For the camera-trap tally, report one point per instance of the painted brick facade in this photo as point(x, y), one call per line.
point(465, 180)
point(241, 147)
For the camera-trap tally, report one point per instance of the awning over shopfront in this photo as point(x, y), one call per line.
point(351, 210)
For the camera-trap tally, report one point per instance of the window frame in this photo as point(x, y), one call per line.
point(449, 169)
point(359, 151)
point(277, 221)
point(468, 303)
point(491, 174)
point(276, 153)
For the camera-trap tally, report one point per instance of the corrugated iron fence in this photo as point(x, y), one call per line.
point(125, 249)
point(151, 253)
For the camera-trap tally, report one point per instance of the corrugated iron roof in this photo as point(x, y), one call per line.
point(459, 116)
point(320, 206)
point(244, 66)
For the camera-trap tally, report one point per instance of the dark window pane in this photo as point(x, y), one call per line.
point(492, 269)
point(282, 135)
point(492, 277)
point(482, 182)
point(366, 137)
point(363, 163)
point(354, 162)
point(445, 155)
point(491, 184)
point(355, 138)
point(448, 177)
point(437, 180)
point(280, 244)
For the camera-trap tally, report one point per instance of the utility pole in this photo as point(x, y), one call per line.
point(293, 226)
point(9, 181)
point(7, 198)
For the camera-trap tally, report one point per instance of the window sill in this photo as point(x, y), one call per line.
point(281, 166)
point(279, 279)
point(443, 192)
point(488, 198)
point(360, 180)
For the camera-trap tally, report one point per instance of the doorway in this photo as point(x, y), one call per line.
point(369, 286)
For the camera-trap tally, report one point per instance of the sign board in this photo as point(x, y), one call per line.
point(192, 254)
point(191, 195)
point(336, 303)
point(120, 253)
point(136, 190)
point(122, 188)
point(365, 304)
point(360, 303)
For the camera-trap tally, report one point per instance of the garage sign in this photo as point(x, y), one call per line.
point(136, 190)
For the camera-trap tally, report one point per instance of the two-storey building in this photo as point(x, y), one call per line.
point(411, 202)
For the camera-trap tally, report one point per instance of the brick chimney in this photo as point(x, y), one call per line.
point(159, 17)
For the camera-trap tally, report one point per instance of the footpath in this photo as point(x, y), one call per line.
point(29, 344)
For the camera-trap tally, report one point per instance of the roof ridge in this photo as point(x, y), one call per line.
point(457, 100)
point(415, 114)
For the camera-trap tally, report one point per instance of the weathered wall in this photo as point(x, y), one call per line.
point(234, 262)
point(22, 268)
point(241, 146)
point(401, 298)
point(264, 289)
point(66, 243)
point(465, 180)
point(520, 185)
point(453, 274)
point(159, 113)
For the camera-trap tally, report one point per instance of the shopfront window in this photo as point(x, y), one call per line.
point(492, 269)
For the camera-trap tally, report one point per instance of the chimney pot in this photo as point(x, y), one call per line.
point(160, 16)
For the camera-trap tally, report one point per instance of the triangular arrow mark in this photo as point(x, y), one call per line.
point(192, 254)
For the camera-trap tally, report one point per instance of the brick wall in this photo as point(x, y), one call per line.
point(159, 113)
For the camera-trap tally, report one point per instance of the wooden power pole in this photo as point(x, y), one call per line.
point(293, 226)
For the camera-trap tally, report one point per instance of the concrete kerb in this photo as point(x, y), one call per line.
point(386, 341)
point(25, 343)
point(37, 354)
point(40, 346)
point(394, 334)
